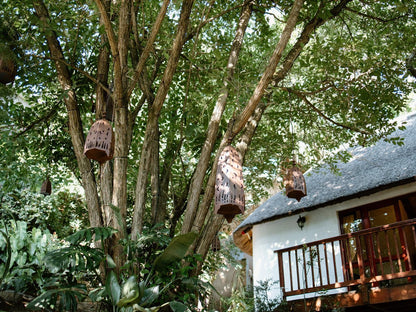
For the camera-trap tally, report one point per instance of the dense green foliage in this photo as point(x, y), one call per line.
point(139, 285)
point(340, 84)
point(21, 256)
point(352, 70)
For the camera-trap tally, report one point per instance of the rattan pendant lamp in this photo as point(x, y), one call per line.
point(294, 180)
point(229, 186)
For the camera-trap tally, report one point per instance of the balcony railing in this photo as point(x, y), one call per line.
point(384, 253)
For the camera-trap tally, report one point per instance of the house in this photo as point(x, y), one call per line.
point(357, 246)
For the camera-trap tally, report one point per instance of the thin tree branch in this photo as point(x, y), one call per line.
point(376, 18)
point(148, 47)
point(320, 113)
point(112, 40)
point(212, 133)
point(304, 38)
point(81, 71)
point(270, 69)
point(197, 29)
point(44, 118)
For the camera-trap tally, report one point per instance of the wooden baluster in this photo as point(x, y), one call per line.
point(350, 259)
point(297, 268)
point(281, 273)
point(290, 270)
point(379, 252)
point(399, 261)
point(311, 264)
point(334, 261)
point(319, 264)
point(360, 259)
point(408, 260)
point(389, 251)
point(304, 268)
point(326, 265)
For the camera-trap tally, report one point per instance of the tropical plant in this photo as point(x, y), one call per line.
point(186, 78)
point(62, 213)
point(21, 256)
point(76, 266)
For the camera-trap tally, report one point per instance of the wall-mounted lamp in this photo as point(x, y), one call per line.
point(301, 222)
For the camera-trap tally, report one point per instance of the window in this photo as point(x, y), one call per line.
point(378, 253)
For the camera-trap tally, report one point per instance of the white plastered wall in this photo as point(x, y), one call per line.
point(320, 224)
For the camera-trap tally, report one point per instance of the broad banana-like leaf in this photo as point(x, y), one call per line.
point(113, 287)
point(175, 251)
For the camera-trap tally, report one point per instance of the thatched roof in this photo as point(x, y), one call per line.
point(370, 169)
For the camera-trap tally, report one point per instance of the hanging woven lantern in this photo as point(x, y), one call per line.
point(99, 144)
point(229, 187)
point(46, 188)
point(216, 244)
point(295, 183)
point(7, 66)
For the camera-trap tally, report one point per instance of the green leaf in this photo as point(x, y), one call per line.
point(110, 262)
point(178, 307)
point(98, 233)
point(68, 298)
point(175, 251)
point(97, 294)
point(129, 292)
point(74, 258)
point(113, 287)
point(150, 295)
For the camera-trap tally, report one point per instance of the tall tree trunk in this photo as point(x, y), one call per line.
point(154, 179)
point(270, 69)
point(154, 112)
point(102, 97)
point(241, 120)
point(216, 221)
point(119, 51)
point(75, 124)
point(203, 163)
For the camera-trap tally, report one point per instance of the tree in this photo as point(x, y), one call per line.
point(189, 77)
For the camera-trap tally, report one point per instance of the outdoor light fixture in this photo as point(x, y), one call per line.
point(301, 222)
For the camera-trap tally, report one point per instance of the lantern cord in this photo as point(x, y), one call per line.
point(49, 153)
point(292, 143)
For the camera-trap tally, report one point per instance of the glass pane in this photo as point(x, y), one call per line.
point(382, 216)
point(386, 246)
point(352, 222)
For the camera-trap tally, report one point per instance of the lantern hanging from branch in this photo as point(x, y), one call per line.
point(7, 66)
point(295, 183)
point(46, 188)
point(99, 144)
point(229, 187)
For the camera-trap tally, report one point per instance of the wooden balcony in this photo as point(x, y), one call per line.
point(381, 258)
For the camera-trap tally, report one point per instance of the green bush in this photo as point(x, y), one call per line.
point(74, 274)
point(21, 256)
point(62, 212)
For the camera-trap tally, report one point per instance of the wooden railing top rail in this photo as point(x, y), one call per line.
point(386, 227)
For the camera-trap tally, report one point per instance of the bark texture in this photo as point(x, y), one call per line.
point(154, 112)
point(204, 160)
point(74, 119)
